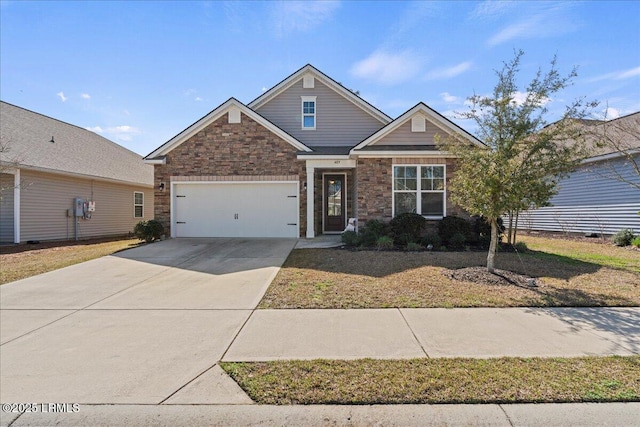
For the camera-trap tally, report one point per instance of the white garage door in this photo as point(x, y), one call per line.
point(247, 209)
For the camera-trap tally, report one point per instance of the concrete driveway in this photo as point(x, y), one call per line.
point(144, 326)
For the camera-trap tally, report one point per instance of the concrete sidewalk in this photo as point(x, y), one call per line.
point(411, 333)
point(515, 415)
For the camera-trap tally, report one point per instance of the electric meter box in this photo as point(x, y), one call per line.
point(91, 206)
point(78, 206)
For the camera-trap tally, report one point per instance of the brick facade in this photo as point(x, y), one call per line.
point(225, 149)
point(374, 187)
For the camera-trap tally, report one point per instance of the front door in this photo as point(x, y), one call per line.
point(334, 203)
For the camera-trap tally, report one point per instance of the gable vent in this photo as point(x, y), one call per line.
point(234, 115)
point(308, 82)
point(418, 124)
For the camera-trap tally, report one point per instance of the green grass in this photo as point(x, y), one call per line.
point(504, 380)
point(605, 255)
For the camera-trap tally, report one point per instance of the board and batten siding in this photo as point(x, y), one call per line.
point(45, 199)
point(338, 120)
point(403, 135)
point(587, 202)
point(6, 207)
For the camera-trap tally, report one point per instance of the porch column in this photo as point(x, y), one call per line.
point(310, 207)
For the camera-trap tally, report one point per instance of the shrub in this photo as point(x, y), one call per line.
point(407, 227)
point(482, 230)
point(623, 237)
point(636, 242)
point(351, 239)
point(451, 225)
point(432, 239)
point(413, 247)
point(384, 243)
point(372, 231)
point(457, 241)
point(521, 247)
point(149, 231)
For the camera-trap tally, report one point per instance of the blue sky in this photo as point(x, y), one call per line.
point(140, 72)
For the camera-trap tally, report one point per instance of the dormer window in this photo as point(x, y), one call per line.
point(309, 112)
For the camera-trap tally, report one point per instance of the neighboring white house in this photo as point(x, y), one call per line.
point(59, 181)
point(597, 197)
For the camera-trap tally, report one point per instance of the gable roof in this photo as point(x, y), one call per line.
point(326, 80)
point(435, 117)
point(214, 115)
point(39, 142)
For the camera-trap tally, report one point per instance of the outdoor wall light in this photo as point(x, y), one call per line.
point(161, 186)
point(305, 185)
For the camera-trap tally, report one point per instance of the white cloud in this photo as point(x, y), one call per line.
point(521, 97)
point(450, 72)
point(617, 75)
point(121, 133)
point(543, 22)
point(448, 98)
point(85, 96)
point(291, 16)
point(198, 99)
point(491, 9)
point(387, 68)
point(62, 97)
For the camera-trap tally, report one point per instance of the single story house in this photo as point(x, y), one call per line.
point(602, 196)
point(299, 161)
point(59, 181)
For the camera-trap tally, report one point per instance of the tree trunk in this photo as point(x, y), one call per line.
point(510, 227)
point(515, 229)
point(492, 246)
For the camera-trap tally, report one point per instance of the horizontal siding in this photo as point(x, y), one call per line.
point(588, 186)
point(6, 208)
point(582, 219)
point(403, 135)
point(338, 121)
point(45, 199)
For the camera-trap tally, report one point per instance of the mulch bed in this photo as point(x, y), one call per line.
point(481, 276)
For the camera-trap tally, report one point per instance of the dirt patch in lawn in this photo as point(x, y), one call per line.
point(481, 276)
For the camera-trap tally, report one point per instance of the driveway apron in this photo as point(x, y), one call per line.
point(135, 327)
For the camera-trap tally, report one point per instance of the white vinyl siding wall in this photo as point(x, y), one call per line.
point(589, 203)
point(6, 207)
point(45, 199)
point(338, 120)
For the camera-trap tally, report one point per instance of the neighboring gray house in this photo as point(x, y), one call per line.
point(46, 166)
point(595, 197)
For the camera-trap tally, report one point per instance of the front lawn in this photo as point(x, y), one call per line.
point(22, 261)
point(504, 380)
point(570, 273)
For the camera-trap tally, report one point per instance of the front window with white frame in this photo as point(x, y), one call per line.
point(420, 189)
point(308, 112)
point(138, 204)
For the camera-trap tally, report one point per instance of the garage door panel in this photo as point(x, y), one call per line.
point(236, 210)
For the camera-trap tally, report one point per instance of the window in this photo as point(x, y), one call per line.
point(308, 112)
point(419, 189)
point(138, 204)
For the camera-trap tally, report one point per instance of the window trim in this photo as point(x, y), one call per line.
point(418, 189)
point(314, 114)
point(135, 205)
